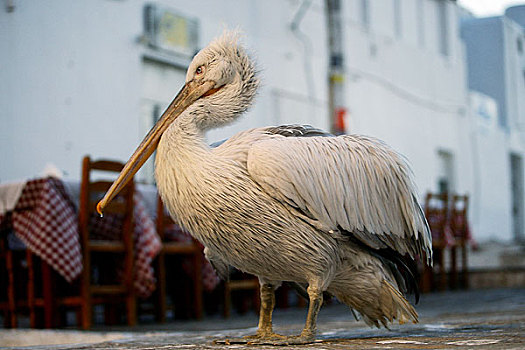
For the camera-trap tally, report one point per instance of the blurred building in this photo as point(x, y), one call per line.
point(496, 68)
point(91, 77)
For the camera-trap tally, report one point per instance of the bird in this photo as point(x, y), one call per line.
point(288, 203)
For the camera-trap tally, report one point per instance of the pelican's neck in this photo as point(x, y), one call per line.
point(182, 140)
point(182, 164)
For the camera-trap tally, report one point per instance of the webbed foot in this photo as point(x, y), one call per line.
point(279, 340)
point(258, 338)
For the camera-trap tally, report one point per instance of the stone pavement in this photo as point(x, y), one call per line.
point(479, 319)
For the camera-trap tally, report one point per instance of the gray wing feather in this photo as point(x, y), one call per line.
point(296, 130)
point(236, 148)
point(354, 183)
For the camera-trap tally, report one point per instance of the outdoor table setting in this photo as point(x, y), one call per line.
point(44, 219)
point(41, 215)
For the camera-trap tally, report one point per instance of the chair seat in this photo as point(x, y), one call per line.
point(243, 284)
point(109, 289)
point(106, 246)
point(179, 248)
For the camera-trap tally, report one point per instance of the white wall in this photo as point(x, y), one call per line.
point(70, 82)
point(74, 82)
point(491, 207)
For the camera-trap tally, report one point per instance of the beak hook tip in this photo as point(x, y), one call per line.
point(99, 209)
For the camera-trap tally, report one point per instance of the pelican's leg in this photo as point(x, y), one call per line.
point(315, 295)
point(316, 301)
point(264, 334)
point(265, 330)
point(267, 306)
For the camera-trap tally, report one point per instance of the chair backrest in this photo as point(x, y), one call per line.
point(436, 212)
point(458, 216)
point(92, 190)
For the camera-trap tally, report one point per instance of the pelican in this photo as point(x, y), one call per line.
point(285, 203)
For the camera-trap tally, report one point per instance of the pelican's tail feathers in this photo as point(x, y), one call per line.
point(378, 301)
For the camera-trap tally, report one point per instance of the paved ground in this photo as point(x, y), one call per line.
point(482, 319)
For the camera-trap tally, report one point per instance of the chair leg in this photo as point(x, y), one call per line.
point(86, 316)
point(13, 322)
point(442, 271)
point(131, 307)
point(161, 288)
point(464, 266)
point(79, 313)
point(131, 299)
point(47, 290)
point(197, 286)
point(453, 282)
point(86, 310)
point(282, 297)
point(257, 300)
point(31, 288)
point(426, 279)
point(227, 300)
point(110, 314)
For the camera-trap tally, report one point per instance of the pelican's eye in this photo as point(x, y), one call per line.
point(199, 70)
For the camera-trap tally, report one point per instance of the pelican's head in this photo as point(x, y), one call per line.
point(228, 78)
point(221, 83)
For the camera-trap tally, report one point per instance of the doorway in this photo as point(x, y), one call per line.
point(446, 178)
point(516, 182)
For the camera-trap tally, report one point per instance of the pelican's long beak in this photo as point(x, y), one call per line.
point(191, 92)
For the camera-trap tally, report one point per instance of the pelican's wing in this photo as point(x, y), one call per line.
point(351, 183)
point(237, 147)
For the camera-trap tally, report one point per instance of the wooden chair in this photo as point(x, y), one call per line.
point(39, 292)
point(104, 280)
point(21, 272)
point(437, 214)
point(17, 274)
point(285, 292)
point(190, 249)
point(460, 232)
point(241, 282)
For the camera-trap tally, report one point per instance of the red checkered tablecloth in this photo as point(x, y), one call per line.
point(446, 235)
point(45, 220)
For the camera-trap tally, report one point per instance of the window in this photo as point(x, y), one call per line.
point(421, 23)
point(398, 29)
point(445, 179)
point(443, 27)
point(365, 14)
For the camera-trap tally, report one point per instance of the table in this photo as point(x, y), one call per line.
point(42, 213)
point(45, 220)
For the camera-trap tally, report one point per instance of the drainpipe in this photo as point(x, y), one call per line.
point(336, 74)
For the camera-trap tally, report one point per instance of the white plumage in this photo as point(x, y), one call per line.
point(287, 203)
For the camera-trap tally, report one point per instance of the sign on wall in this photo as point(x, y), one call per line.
point(168, 30)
